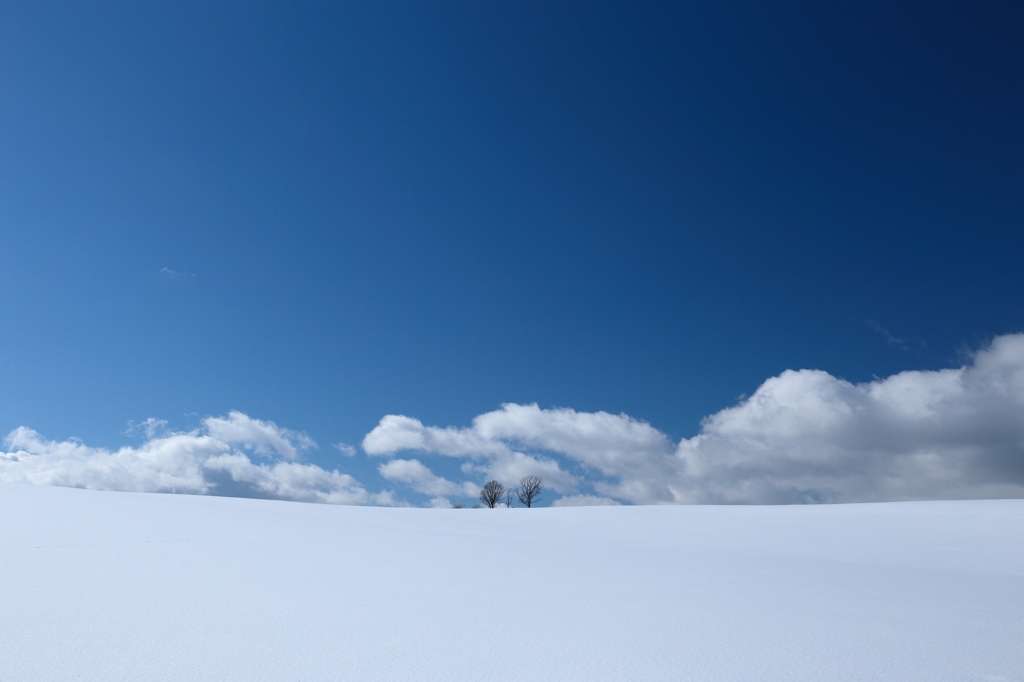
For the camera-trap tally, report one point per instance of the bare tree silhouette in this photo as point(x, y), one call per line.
point(529, 490)
point(492, 493)
point(509, 496)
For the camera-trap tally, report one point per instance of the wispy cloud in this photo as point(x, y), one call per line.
point(345, 449)
point(895, 342)
point(584, 501)
point(148, 428)
point(167, 272)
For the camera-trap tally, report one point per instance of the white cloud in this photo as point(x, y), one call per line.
point(414, 474)
point(584, 501)
point(611, 443)
point(509, 468)
point(148, 428)
point(172, 464)
point(806, 435)
point(209, 461)
point(167, 272)
point(397, 432)
point(614, 445)
point(802, 436)
point(605, 441)
point(488, 440)
point(345, 449)
point(263, 438)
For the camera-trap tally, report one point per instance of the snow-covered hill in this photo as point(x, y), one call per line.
point(123, 586)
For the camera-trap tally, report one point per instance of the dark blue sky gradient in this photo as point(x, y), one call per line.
point(432, 209)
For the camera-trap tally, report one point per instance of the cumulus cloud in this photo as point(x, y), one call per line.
point(211, 460)
point(496, 441)
point(509, 469)
point(263, 438)
point(398, 432)
point(509, 443)
point(808, 436)
point(417, 476)
point(803, 436)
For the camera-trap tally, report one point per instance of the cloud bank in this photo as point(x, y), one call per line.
point(212, 460)
point(803, 436)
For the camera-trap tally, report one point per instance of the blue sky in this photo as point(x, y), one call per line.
point(320, 215)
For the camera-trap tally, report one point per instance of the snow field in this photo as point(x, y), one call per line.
point(105, 586)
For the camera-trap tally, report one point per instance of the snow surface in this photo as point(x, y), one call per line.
point(131, 586)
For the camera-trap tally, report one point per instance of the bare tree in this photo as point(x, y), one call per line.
point(509, 494)
point(529, 490)
point(492, 493)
